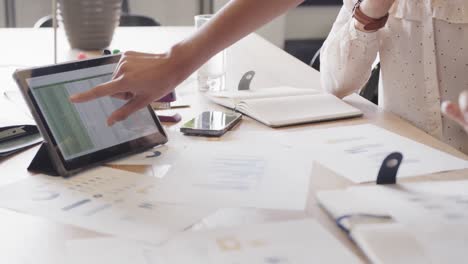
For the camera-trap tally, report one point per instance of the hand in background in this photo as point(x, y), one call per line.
point(139, 78)
point(458, 112)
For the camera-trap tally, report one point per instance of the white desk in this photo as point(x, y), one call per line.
point(29, 239)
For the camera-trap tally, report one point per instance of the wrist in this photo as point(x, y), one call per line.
point(374, 11)
point(369, 19)
point(182, 61)
point(359, 26)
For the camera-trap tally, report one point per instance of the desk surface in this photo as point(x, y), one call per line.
point(30, 239)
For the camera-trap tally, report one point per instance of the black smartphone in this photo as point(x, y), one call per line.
point(211, 124)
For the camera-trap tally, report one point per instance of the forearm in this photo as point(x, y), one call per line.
point(347, 55)
point(237, 19)
point(346, 61)
point(141, 78)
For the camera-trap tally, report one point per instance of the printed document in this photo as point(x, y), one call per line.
point(428, 220)
point(357, 152)
point(103, 200)
point(238, 175)
point(302, 241)
point(434, 213)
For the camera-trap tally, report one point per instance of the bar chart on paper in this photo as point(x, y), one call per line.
point(104, 200)
point(259, 178)
point(235, 173)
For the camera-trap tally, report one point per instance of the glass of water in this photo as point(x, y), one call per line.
point(211, 76)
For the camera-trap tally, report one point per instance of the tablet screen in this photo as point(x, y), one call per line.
point(80, 129)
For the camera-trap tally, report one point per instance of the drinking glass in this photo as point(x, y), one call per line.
point(211, 76)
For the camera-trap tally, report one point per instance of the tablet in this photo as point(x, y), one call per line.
point(77, 135)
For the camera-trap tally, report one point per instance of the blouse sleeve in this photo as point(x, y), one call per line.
point(347, 55)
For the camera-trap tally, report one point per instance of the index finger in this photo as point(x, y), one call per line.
point(105, 89)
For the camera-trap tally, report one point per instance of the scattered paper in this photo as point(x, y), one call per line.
point(13, 113)
point(433, 203)
point(166, 154)
point(375, 240)
point(303, 241)
point(111, 250)
point(104, 200)
point(434, 213)
point(238, 175)
point(160, 155)
point(430, 220)
point(7, 83)
point(229, 217)
point(357, 152)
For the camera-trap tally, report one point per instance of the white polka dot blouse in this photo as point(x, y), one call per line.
point(423, 51)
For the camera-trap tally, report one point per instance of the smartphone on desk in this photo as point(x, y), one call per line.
point(211, 124)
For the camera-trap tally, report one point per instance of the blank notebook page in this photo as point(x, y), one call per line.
point(297, 109)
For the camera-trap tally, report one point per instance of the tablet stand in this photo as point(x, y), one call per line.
point(42, 163)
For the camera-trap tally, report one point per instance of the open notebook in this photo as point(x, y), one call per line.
point(284, 106)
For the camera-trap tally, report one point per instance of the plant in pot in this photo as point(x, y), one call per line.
point(90, 24)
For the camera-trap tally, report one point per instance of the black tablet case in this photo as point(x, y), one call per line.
point(42, 163)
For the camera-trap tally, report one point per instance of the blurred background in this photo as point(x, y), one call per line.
point(300, 32)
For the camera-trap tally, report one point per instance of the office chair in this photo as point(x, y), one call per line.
point(370, 90)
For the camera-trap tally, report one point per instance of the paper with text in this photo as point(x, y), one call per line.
point(111, 250)
point(357, 152)
point(104, 200)
point(302, 241)
point(238, 175)
point(434, 213)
